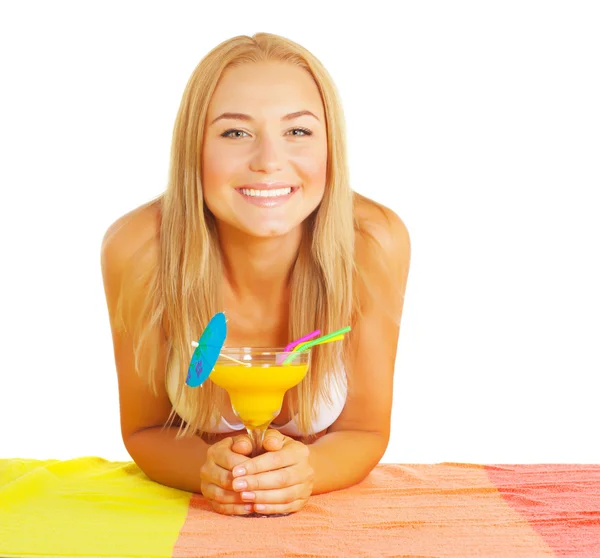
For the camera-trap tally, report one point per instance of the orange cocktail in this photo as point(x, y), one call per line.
point(257, 387)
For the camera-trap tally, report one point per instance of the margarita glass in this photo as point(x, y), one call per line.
point(257, 387)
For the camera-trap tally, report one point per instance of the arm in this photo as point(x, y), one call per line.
point(357, 440)
point(157, 452)
point(338, 464)
point(167, 460)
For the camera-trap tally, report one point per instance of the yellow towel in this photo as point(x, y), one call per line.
point(86, 507)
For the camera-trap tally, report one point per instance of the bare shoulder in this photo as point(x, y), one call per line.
point(380, 223)
point(132, 230)
point(130, 247)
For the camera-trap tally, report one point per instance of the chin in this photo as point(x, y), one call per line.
point(270, 232)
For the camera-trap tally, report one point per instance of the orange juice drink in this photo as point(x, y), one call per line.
point(256, 392)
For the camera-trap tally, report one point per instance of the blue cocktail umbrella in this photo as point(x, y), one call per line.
point(207, 352)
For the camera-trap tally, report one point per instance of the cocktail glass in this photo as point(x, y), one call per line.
point(257, 387)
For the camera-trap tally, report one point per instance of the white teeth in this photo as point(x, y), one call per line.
point(266, 193)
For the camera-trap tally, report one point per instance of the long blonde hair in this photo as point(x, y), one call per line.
point(184, 291)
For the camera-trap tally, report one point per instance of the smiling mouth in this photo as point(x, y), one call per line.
point(267, 193)
point(267, 198)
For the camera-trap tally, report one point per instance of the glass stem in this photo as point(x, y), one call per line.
point(257, 437)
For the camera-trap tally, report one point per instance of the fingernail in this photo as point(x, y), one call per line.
point(259, 507)
point(248, 507)
point(247, 495)
point(239, 472)
point(239, 484)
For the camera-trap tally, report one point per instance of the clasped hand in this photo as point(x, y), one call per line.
point(278, 481)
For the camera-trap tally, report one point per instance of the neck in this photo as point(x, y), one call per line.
point(258, 270)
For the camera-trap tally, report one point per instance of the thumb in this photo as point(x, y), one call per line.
point(241, 444)
point(273, 440)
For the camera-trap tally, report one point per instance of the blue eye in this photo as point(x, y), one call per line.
point(304, 131)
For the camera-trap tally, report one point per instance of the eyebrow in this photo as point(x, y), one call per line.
point(247, 117)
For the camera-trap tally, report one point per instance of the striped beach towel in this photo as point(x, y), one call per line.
point(94, 507)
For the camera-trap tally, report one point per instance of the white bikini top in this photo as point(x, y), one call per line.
point(326, 415)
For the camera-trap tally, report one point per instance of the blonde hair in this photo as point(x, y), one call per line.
point(184, 291)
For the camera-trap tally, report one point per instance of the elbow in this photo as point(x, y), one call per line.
point(380, 445)
point(375, 448)
point(381, 439)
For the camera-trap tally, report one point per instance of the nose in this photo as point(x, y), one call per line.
point(268, 156)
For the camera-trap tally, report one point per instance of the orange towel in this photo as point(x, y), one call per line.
point(92, 507)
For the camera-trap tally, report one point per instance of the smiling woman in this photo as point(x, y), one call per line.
point(258, 221)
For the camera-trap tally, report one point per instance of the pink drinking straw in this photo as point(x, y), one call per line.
point(290, 346)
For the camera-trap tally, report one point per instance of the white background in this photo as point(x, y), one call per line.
point(477, 122)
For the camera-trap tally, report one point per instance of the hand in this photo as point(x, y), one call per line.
point(280, 480)
point(216, 477)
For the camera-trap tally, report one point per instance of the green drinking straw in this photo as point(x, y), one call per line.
point(314, 342)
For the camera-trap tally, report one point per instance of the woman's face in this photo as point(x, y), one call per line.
point(269, 145)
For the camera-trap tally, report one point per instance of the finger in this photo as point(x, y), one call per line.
point(279, 496)
point(217, 493)
point(223, 455)
point(219, 464)
point(212, 473)
point(290, 453)
point(269, 509)
point(232, 509)
point(273, 440)
point(241, 444)
point(280, 478)
point(217, 476)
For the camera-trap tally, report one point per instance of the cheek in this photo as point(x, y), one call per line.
point(314, 169)
point(321, 170)
point(317, 175)
point(217, 171)
point(214, 165)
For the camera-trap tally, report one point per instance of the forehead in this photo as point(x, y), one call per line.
point(266, 88)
